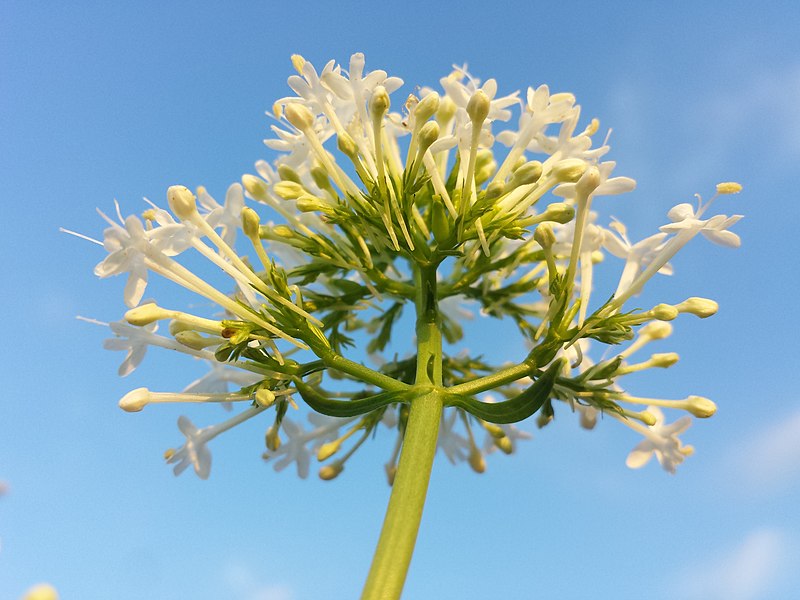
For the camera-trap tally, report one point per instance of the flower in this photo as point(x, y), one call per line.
point(193, 452)
point(662, 441)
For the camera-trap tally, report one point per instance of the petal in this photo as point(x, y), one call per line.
point(639, 456)
point(723, 238)
point(681, 212)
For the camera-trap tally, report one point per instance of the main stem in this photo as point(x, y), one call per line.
point(401, 524)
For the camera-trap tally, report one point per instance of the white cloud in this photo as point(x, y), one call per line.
point(747, 571)
point(771, 458)
point(245, 585)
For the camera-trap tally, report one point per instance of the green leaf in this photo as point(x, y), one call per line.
point(346, 408)
point(516, 409)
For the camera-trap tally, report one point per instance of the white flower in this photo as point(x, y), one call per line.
point(637, 256)
point(193, 452)
point(126, 247)
point(227, 217)
point(454, 446)
point(662, 441)
point(684, 219)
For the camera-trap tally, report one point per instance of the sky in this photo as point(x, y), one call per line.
point(102, 101)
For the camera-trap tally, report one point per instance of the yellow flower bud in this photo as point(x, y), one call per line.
point(729, 187)
point(701, 307)
point(569, 170)
point(700, 407)
point(299, 116)
point(146, 314)
point(329, 472)
point(478, 107)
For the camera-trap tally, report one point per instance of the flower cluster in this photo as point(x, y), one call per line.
point(448, 200)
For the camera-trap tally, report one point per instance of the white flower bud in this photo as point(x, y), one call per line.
point(544, 236)
point(135, 400)
point(700, 407)
point(299, 116)
point(146, 314)
point(447, 110)
point(182, 202)
point(192, 339)
point(701, 307)
point(427, 107)
point(569, 170)
point(663, 360)
point(428, 134)
point(664, 312)
point(478, 107)
point(588, 181)
point(656, 330)
point(379, 102)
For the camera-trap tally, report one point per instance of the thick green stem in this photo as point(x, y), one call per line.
point(401, 524)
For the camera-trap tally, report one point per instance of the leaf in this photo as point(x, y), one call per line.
point(346, 408)
point(517, 408)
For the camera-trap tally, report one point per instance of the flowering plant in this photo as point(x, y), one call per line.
point(426, 206)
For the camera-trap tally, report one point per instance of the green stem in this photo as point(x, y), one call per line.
point(493, 381)
point(401, 524)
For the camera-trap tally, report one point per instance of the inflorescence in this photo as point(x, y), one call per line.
point(365, 195)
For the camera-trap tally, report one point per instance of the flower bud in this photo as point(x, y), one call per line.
point(700, 407)
point(569, 170)
point(559, 212)
point(135, 400)
point(476, 461)
point(588, 182)
point(656, 330)
point(283, 231)
point(264, 397)
point(701, 307)
point(441, 225)
point(663, 360)
point(332, 471)
point(250, 222)
point(478, 107)
point(428, 134)
point(347, 145)
point(328, 449)
point(505, 445)
point(379, 102)
point(273, 439)
point(544, 236)
point(427, 107)
point(664, 312)
point(729, 187)
point(287, 173)
point(309, 203)
point(447, 110)
point(289, 190)
point(495, 190)
point(182, 202)
point(645, 417)
point(320, 177)
point(527, 173)
point(146, 314)
point(194, 340)
point(299, 116)
point(255, 187)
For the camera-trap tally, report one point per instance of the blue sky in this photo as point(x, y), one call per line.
point(101, 101)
